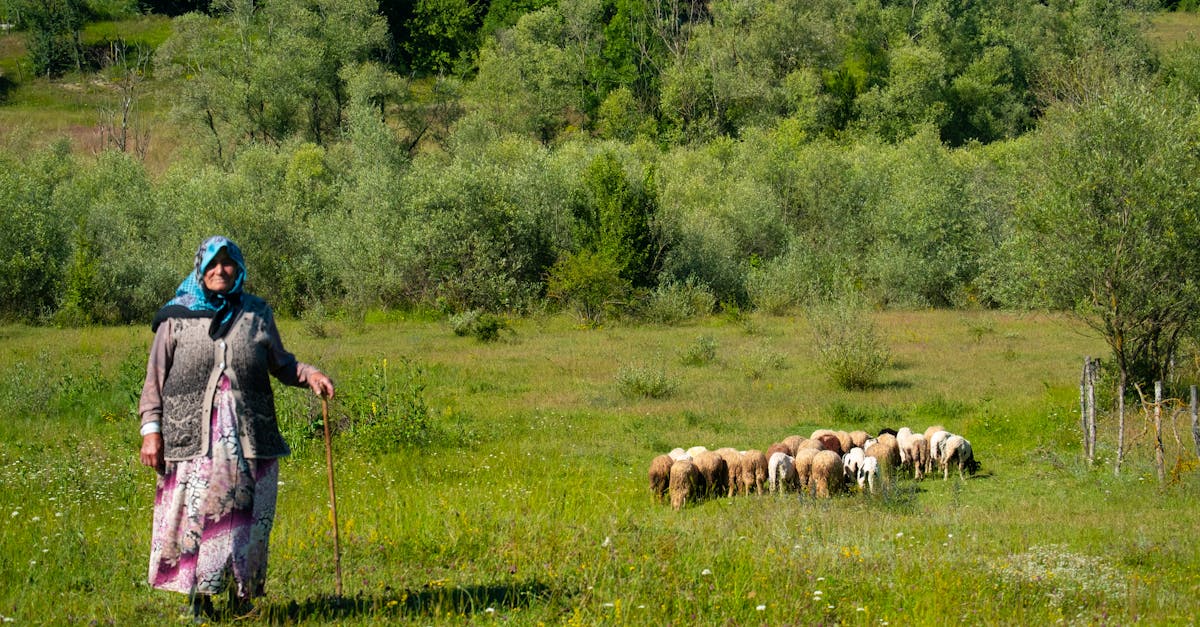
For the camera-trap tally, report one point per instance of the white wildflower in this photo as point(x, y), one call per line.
point(761, 608)
point(706, 572)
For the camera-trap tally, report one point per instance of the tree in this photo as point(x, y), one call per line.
point(1110, 226)
point(53, 42)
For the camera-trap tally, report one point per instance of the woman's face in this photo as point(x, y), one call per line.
point(221, 274)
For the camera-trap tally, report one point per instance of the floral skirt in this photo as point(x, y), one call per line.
point(213, 515)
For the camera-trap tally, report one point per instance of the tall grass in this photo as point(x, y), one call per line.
point(537, 511)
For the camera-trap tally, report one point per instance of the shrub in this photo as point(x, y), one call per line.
point(849, 348)
point(642, 381)
point(673, 302)
point(762, 360)
point(588, 282)
point(387, 407)
point(484, 326)
point(702, 351)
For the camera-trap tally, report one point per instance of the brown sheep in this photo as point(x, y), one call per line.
point(844, 442)
point(831, 443)
point(887, 452)
point(660, 476)
point(803, 464)
point(715, 472)
point(794, 441)
point(780, 447)
point(918, 454)
point(811, 443)
point(733, 462)
point(820, 432)
point(859, 439)
point(686, 483)
point(827, 476)
point(754, 471)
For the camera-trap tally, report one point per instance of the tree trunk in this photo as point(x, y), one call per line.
point(1091, 433)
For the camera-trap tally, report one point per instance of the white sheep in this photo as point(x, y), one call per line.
point(868, 474)
point(851, 462)
point(696, 450)
point(917, 453)
point(781, 472)
point(678, 454)
point(902, 438)
point(958, 451)
point(937, 446)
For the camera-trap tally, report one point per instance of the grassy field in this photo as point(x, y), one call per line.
point(529, 504)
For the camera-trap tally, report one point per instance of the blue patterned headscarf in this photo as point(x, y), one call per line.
point(193, 300)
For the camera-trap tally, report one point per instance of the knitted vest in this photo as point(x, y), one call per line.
point(191, 384)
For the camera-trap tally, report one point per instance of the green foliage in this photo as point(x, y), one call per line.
point(673, 301)
point(1109, 224)
point(268, 73)
point(849, 347)
point(53, 27)
point(699, 353)
point(386, 407)
point(441, 33)
point(639, 381)
point(34, 235)
point(589, 283)
point(484, 326)
point(762, 360)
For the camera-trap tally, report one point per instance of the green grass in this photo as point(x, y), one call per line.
point(1169, 30)
point(532, 505)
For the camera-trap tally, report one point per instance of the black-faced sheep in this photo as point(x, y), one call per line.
point(803, 464)
point(686, 484)
point(958, 452)
point(781, 472)
point(715, 472)
point(754, 471)
point(827, 476)
point(660, 476)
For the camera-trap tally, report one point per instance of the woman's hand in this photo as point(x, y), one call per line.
point(321, 385)
point(152, 451)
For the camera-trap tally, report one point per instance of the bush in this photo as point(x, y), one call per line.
point(387, 407)
point(673, 302)
point(588, 282)
point(849, 348)
point(702, 351)
point(484, 326)
point(641, 381)
point(762, 360)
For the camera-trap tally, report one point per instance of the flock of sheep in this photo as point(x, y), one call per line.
point(824, 464)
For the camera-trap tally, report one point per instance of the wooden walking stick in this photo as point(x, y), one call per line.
point(337, 548)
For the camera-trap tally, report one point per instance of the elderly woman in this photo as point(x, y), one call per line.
point(209, 429)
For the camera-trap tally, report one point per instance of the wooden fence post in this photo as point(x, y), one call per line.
point(1083, 406)
point(1091, 434)
point(1158, 443)
point(1195, 422)
point(1121, 424)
